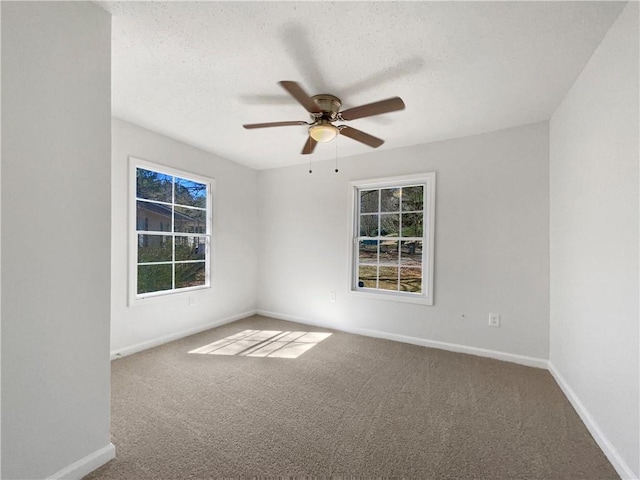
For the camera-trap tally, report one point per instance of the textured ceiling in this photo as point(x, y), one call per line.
point(197, 71)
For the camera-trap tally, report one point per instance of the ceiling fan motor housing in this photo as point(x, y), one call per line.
point(330, 106)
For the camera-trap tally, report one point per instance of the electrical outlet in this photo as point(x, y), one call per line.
point(192, 301)
point(332, 297)
point(494, 319)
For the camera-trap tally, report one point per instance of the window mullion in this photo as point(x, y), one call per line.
point(358, 224)
point(173, 231)
point(399, 238)
point(157, 202)
point(379, 239)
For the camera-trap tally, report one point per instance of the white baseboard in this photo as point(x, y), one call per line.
point(605, 445)
point(452, 347)
point(123, 352)
point(86, 465)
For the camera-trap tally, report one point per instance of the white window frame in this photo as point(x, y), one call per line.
point(134, 164)
point(428, 181)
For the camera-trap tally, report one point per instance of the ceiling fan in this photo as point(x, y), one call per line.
point(325, 111)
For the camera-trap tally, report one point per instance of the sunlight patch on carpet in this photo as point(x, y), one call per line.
point(264, 343)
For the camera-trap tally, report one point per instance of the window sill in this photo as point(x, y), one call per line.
point(393, 297)
point(157, 296)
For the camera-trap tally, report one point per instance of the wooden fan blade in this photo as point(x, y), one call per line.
point(361, 137)
point(274, 124)
point(375, 108)
point(296, 91)
point(309, 146)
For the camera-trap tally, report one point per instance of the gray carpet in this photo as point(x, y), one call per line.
point(350, 406)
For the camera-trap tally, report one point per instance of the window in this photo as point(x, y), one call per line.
point(393, 238)
point(171, 239)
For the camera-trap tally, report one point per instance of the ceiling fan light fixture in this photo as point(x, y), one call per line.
point(324, 132)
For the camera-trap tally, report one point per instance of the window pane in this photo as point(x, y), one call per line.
point(412, 198)
point(368, 225)
point(190, 248)
point(368, 252)
point(389, 224)
point(390, 200)
point(368, 201)
point(388, 278)
point(172, 231)
point(411, 279)
point(389, 252)
point(412, 225)
point(190, 220)
point(154, 248)
point(411, 254)
point(154, 278)
point(190, 274)
point(191, 193)
point(153, 185)
point(367, 276)
point(153, 217)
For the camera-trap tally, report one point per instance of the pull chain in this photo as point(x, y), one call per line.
point(336, 155)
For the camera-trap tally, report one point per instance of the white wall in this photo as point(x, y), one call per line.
point(492, 240)
point(594, 240)
point(235, 257)
point(56, 158)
